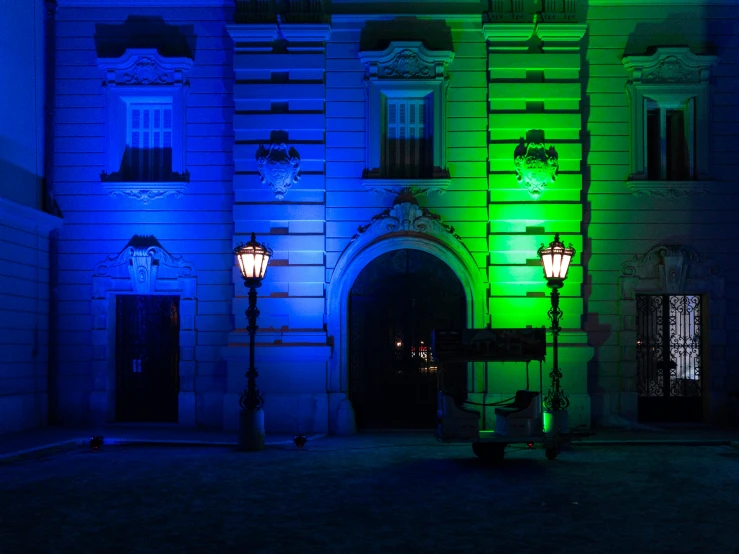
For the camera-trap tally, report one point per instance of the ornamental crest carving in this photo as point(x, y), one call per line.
point(536, 167)
point(406, 60)
point(407, 64)
point(144, 66)
point(143, 261)
point(145, 195)
point(279, 167)
point(671, 70)
point(669, 66)
point(406, 216)
point(145, 72)
point(670, 269)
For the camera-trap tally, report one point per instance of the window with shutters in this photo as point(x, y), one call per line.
point(669, 119)
point(145, 97)
point(149, 142)
point(406, 146)
point(406, 88)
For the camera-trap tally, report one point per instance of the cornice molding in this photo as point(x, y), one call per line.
point(305, 32)
point(670, 190)
point(146, 4)
point(415, 187)
point(18, 215)
point(260, 33)
point(361, 18)
point(619, 3)
point(508, 36)
point(560, 32)
point(144, 191)
point(253, 32)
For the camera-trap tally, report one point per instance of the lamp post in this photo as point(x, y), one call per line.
point(253, 259)
point(555, 259)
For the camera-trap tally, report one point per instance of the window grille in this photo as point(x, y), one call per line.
point(149, 141)
point(406, 138)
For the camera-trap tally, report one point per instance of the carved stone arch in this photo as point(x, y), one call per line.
point(679, 270)
point(142, 267)
point(404, 226)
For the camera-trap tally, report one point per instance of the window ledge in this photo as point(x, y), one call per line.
point(393, 187)
point(668, 189)
point(144, 190)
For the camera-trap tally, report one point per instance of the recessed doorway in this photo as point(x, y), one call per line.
point(394, 304)
point(147, 358)
point(669, 360)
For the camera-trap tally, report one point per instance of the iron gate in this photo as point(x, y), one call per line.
point(394, 304)
point(669, 358)
point(147, 358)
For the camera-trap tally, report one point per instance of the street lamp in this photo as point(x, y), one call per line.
point(253, 259)
point(555, 259)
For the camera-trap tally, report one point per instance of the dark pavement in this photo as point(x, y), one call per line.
point(374, 492)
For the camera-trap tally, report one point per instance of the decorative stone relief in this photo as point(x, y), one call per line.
point(279, 167)
point(145, 195)
point(415, 187)
point(536, 167)
point(671, 70)
point(144, 261)
point(144, 66)
point(406, 215)
point(145, 71)
point(551, 10)
point(407, 64)
point(670, 190)
point(670, 269)
point(406, 60)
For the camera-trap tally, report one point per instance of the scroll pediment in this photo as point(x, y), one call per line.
point(670, 269)
point(670, 66)
point(406, 60)
point(143, 261)
point(144, 66)
point(405, 216)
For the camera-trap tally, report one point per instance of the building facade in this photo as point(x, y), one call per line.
point(405, 161)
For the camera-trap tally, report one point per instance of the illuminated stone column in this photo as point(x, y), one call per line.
point(279, 188)
point(535, 191)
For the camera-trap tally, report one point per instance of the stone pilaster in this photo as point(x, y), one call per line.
point(279, 187)
point(535, 190)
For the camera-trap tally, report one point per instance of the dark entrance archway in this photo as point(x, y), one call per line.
point(395, 303)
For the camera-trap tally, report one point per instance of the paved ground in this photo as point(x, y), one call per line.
point(371, 493)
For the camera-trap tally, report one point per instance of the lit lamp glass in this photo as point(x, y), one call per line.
point(253, 259)
point(555, 259)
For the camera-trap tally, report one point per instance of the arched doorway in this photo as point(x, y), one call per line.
point(394, 304)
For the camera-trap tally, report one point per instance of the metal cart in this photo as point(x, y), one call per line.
point(518, 422)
